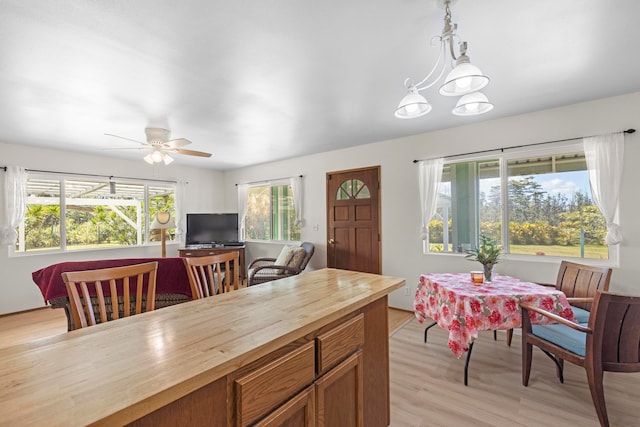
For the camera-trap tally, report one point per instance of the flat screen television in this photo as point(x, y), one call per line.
point(212, 228)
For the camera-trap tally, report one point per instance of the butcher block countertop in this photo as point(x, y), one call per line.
point(117, 372)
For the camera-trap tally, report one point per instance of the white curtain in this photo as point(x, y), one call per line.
point(243, 203)
point(15, 204)
point(296, 187)
point(604, 154)
point(429, 184)
point(181, 217)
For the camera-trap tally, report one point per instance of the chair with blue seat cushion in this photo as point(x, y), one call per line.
point(579, 282)
point(610, 341)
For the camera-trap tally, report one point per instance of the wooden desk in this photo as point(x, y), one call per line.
point(197, 363)
point(184, 252)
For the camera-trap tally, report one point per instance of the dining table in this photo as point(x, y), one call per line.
point(457, 304)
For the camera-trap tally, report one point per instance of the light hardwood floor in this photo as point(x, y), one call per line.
point(427, 387)
point(30, 325)
point(426, 379)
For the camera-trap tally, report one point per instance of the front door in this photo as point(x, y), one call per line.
point(353, 220)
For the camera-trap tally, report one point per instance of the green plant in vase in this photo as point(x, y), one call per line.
point(488, 254)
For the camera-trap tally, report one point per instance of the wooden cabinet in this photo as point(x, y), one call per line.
point(312, 350)
point(339, 395)
point(215, 251)
point(262, 390)
point(299, 411)
point(319, 383)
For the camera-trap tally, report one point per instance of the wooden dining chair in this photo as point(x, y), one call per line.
point(108, 291)
point(610, 341)
point(579, 282)
point(213, 274)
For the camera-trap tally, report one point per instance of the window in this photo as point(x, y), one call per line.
point(270, 213)
point(71, 213)
point(532, 204)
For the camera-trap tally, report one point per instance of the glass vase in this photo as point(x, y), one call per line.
point(488, 272)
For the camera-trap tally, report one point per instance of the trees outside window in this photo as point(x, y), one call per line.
point(271, 213)
point(548, 207)
point(67, 213)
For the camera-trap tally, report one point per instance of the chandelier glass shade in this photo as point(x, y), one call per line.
point(412, 105)
point(463, 80)
point(472, 104)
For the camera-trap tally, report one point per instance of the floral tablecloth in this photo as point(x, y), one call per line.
point(464, 308)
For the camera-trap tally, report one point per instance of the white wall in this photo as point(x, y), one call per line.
point(401, 246)
point(17, 290)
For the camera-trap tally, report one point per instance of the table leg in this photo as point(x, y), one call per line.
point(427, 328)
point(466, 364)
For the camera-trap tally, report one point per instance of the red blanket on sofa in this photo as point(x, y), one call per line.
point(171, 278)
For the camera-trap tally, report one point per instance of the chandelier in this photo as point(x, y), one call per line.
point(464, 80)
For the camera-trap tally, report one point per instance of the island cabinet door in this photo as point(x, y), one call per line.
point(263, 390)
point(299, 411)
point(339, 395)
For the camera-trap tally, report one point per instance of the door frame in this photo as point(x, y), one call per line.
point(378, 170)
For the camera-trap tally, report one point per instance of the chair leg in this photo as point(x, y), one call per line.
point(509, 336)
point(594, 377)
point(560, 369)
point(527, 353)
point(559, 365)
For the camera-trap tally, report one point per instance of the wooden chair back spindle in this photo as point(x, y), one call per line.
point(86, 288)
point(213, 274)
point(582, 281)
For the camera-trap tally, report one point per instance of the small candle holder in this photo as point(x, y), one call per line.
point(477, 277)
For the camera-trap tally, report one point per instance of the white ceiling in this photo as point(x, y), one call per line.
point(256, 81)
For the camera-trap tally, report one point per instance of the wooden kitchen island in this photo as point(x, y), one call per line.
point(310, 349)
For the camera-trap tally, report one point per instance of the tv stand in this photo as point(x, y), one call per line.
point(213, 249)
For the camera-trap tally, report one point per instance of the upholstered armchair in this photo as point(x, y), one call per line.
point(291, 261)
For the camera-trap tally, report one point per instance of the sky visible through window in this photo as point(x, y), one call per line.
point(566, 183)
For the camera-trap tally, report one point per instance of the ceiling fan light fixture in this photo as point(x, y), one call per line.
point(160, 145)
point(156, 156)
point(167, 159)
point(472, 104)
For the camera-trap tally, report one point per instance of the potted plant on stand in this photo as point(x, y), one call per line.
point(488, 254)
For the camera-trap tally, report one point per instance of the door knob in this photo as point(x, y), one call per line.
point(331, 241)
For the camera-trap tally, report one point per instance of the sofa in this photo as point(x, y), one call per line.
point(172, 283)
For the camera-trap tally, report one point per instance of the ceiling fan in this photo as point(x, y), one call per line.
point(160, 145)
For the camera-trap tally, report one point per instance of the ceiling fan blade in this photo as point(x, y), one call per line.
point(125, 138)
point(190, 152)
point(179, 142)
point(125, 148)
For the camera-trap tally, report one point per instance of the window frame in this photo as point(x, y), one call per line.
point(62, 178)
point(270, 184)
point(517, 153)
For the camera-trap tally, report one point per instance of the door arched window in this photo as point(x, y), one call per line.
point(353, 189)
